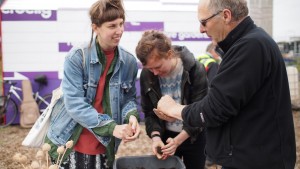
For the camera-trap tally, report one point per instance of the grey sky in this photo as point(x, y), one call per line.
point(286, 21)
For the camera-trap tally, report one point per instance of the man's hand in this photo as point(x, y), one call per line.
point(169, 107)
point(163, 116)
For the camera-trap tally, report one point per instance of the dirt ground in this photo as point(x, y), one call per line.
point(11, 138)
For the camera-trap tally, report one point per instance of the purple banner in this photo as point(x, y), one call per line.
point(29, 15)
point(187, 36)
point(64, 47)
point(142, 26)
point(8, 74)
point(31, 75)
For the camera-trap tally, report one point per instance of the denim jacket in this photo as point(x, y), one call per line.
point(82, 72)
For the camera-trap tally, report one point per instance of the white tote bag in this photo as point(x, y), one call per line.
point(37, 134)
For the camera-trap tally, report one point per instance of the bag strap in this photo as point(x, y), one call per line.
point(85, 75)
point(83, 64)
point(83, 58)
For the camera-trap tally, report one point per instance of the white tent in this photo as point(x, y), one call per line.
point(36, 34)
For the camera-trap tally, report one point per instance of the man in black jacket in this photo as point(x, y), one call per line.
point(247, 111)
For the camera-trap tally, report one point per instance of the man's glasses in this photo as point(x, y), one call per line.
point(204, 21)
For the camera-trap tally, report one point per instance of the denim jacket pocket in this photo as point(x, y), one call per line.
point(126, 86)
point(125, 91)
point(90, 90)
point(61, 124)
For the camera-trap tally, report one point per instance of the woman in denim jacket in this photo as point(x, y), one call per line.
point(98, 105)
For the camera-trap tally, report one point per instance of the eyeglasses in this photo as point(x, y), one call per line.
point(204, 21)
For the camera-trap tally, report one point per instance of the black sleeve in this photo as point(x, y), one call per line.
point(212, 71)
point(149, 101)
point(198, 90)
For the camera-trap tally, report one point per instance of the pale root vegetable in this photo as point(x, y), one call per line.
point(35, 165)
point(69, 144)
point(17, 157)
point(23, 159)
point(54, 166)
point(46, 147)
point(60, 149)
point(39, 155)
point(44, 166)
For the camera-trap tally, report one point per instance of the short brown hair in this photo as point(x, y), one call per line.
point(104, 11)
point(152, 40)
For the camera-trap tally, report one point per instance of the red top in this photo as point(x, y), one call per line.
point(87, 142)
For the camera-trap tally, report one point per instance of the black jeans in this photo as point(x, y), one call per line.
point(191, 153)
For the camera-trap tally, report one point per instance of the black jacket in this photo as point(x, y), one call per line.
point(247, 110)
point(212, 70)
point(193, 88)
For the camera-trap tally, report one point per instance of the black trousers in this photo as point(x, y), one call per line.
point(192, 153)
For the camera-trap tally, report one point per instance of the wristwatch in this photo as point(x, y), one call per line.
point(155, 135)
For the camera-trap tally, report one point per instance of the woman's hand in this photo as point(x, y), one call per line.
point(135, 128)
point(123, 131)
point(171, 146)
point(128, 132)
point(157, 145)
